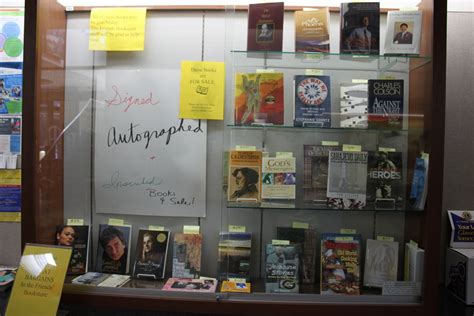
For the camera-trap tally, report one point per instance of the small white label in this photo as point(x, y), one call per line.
point(403, 288)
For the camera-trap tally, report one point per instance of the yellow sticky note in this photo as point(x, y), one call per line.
point(245, 148)
point(314, 72)
point(116, 222)
point(237, 229)
point(344, 238)
point(347, 147)
point(278, 242)
point(329, 143)
point(385, 238)
point(75, 221)
point(260, 71)
point(284, 154)
point(202, 90)
point(190, 229)
point(347, 231)
point(360, 80)
point(300, 225)
point(387, 149)
point(157, 228)
point(10, 217)
point(387, 77)
point(39, 280)
point(117, 29)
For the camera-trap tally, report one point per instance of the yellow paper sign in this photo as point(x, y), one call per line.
point(385, 238)
point(347, 147)
point(10, 217)
point(157, 228)
point(202, 90)
point(347, 231)
point(300, 225)
point(236, 229)
point(116, 222)
point(314, 72)
point(75, 221)
point(117, 29)
point(329, 143)
point(278, 242)
point(190, 229)
point(10, 180)
point(39, 281)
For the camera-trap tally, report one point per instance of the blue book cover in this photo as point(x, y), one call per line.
point(418, 184)
point(312, 101)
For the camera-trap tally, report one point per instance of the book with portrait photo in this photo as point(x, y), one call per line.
point(381, 262)
point(403, 34)
point(187, 255)
point(234, 255)
point(204, 285)
point(312, 30)
point(265, 27)
point(385, 178)
point(151, 253)
point(245, 176)
point(113, 249)
point(312, 101)
point(77, 237)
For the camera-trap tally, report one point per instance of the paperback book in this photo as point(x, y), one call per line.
point(190, 285)
point(419, 186)
point(360, 28)
point(403, 34)
point(113, 251)
point(385, 104)
point(101, 279)
point(414, 263)
point(244, 176)
point(354, 103)
point(265, 27)
point(77, 237)
point(281, 269)
point(151, 253)
point(381, 262)
point(312, 31)
point(279, 178)
point(187, 255)
point(234, 255)
point(385, 178)
point(312, 101)
point(259, 98)
point(340, 264)
point(305, 242)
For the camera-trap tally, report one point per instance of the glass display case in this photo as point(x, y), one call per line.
point(324, 233)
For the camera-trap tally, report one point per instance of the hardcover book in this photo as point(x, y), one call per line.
point(312, 31)
point(315, 174)
point(259, 98)
point(381, 262)
point(360, 28)
point(279, 178)
point(190, 285)
point(385, 104)
point(114, 249)
point(77, 237)
point(340, 264)
point(305, 241)
point(244, 176)
point(312, 101)
point(347, 179)
point(354, 102)
point(281, 269)
point(234, 255)
point(265, 27)
point(384, 181)
point(187, 255)
point(403, 34)
point(151, 253)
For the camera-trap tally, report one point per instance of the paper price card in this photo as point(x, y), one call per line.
point(117, 29)
point(300, 225)
point(116, 222)
point(347, 231)
point(157, 228)
point(75, 221)
point(278, 242)
point(236, 229)
point(190, 229)
point(348, 147)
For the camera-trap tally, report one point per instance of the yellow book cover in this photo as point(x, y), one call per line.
point(245, 182)
point(311, 31)
point(236, 287)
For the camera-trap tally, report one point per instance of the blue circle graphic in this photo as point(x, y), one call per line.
point(11, 29)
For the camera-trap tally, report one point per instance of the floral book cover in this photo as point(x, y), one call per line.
point(187, 255)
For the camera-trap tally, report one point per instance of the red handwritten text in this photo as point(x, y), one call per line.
point(129, 100)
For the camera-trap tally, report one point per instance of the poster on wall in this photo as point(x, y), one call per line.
point(11, 35)
point(147, 161)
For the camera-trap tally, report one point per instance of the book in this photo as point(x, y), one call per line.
point(234, 255)
point(115, 280)
point(190, 285)
point(419, 186)
point(244, 176)
point(354, 103)
point(7, 276)
point(259, 98)
point(113, 250)
point(315, 173)
point(305, 241)
point(235, 287)
point(360, 28)
point(347, 179)
point(101, 279)
point(11, 90)
point(381, 262)
point(340, 264)
point(279, 178)
point(80, 250)
point(385, 177)
point(385, 104)
point(265, 27)
point(462, 227)
point(281, 269)
point(403, 35)
point(312, 31)
point(414, 263)
point(312, 101)
point(187, 255)
point(151, 253)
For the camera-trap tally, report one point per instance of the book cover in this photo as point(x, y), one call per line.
point(354, 103)
point(113, 250)
point(385, 177)
point(187, 255)
point(419, 186)
point(305, 241)
point(312, 101)
point(234, 255)
point(115, 280)
point(312, 31)
point(381, 262)
point(190, 285)
point(281, 269)
point(403, 34)
point(414, 263)
point(91, 278)
point(347, 179)
point(151, 253)
point(265, 27)
point(259, 98)
point(360, 28)
point(244, 176)
point(279, 178)
point(11, 90)
point(340, 264)
point(80, 250)
point(462, 229)
point(235, 287)
point(315, 173)
point(385, 104)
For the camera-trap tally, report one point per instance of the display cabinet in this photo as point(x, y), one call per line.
point(73, 91)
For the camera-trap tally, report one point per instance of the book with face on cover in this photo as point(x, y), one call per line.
point(113, 251)
point(265, 27)
point(151, 253)
point(312, 30)
point(205, 285)
point(403, 35)
point(187, 255)
point(245, 181)
point(77, 237)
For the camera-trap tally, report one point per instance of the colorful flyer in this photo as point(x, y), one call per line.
point(11, 35)
point(10, 195)
point(202, 90)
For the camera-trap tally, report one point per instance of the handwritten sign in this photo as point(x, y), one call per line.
point(117, 29)
point(202, 90)
point(147, 161)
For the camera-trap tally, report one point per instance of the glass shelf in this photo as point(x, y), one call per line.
point(319, 207)
point(315, 129)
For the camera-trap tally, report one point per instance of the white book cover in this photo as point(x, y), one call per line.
point(414, 263)
point(403, 34)
point(354, 101)
point(381, 262)
point(115, 280)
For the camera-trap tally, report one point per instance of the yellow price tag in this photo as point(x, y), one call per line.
point(387, 77)
point(385, 238)
point(278, 242)
point(260, 71)
point(245, 148)
point(116, 222)
point(329, 143)
point(190, 229)
point(157, 228)
point(345, 238)
point(314, 56)
point(347, 231)
point(314, 72)
point(387, 149)
point(300, 225)
point(75, 222)
point(237, 229)
point(284, 154)
point(347, 147)
point(360, 80)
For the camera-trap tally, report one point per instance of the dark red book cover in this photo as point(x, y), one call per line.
point(265, 27)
